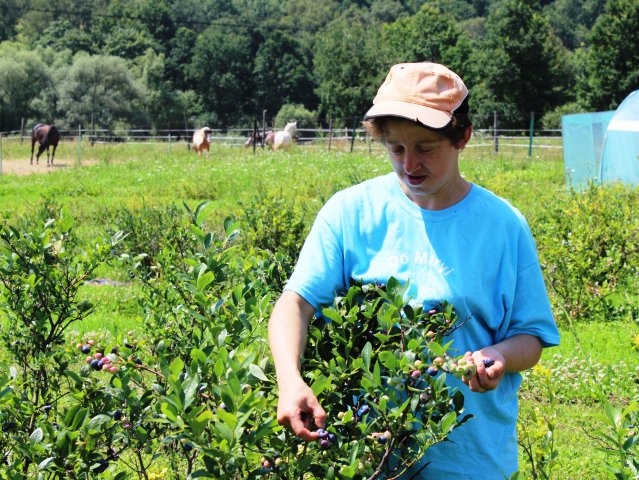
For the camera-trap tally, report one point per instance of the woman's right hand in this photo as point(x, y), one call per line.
point(298, 407)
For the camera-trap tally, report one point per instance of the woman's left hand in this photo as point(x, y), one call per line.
point(490, 367)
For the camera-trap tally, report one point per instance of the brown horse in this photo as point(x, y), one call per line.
point(46, 136)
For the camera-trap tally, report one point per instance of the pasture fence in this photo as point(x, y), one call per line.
point(342, 139)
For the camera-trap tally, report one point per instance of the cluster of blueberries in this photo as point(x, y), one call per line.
point(326, 438)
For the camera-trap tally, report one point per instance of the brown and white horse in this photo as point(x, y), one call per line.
point(46, 136)
point(202, 140)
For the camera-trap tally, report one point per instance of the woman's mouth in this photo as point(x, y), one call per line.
point(414, 179)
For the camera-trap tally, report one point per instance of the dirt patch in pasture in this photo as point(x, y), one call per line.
point(21, 167)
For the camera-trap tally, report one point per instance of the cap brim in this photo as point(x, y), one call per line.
point(428, 117)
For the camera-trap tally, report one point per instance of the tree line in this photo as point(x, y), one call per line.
point(225, 63)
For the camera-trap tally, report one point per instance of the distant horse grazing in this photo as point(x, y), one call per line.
point(46, 136)
point(270, 137)
point(254, 138)
point(202, 140)
point(283, 139)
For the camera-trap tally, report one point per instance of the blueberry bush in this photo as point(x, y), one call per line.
point(193, 394)
point(591, 267)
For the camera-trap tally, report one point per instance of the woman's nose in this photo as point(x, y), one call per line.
point(411, 161)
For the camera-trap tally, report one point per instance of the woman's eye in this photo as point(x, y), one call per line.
point(396, 149)
point(424, 149)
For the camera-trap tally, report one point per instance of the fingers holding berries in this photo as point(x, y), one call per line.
point(487, 372)
point(298, 409)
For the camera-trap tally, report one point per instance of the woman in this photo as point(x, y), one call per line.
point(452, 241)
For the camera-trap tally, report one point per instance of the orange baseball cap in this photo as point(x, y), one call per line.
point(426, 93)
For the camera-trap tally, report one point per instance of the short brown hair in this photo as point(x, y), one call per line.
point(454, 131)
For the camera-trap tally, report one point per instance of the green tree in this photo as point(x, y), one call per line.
point(572, 20)
point(162, 105)
point(38, 16)
point(282, 74)
point(305, 18)
point(198, 15)
point(429, 35)
point(613, 57)
point(158, 20)
point(179, 57)
point(9, 14)
point(121, 31)
point(23, 78)
point(295, 113)
point(348, 65)
point(99, 88)
point(220, 70)
point(521, 66)
point(62, 34)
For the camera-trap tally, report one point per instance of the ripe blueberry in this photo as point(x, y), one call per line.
point(117, 415)
point(363, 410)
point(488, 362)
point(86, 348)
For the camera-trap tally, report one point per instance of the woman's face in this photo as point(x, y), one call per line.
point(426, 163)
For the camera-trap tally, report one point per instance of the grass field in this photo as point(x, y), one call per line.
point(111, 177)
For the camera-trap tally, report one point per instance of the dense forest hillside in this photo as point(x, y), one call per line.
point(155, 63)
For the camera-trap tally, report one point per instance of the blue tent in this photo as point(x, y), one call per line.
point(583, 139)
point(620, 156)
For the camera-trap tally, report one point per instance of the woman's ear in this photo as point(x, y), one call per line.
point(465, 139)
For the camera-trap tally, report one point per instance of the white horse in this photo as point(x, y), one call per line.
point(202, 140)
point(283, 139)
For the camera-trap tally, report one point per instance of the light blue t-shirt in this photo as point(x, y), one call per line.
point(478, 255)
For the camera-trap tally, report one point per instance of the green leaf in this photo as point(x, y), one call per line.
point(225, 431)
point(190, 390)
point(366, 355)
point(377, 375)
point(227, 398)
point(177, 365)
point(448, 421)
point(436, 349)
point(4, 392)
point(347, 472)
point(66, 220)
point(205, 416)
point(388, 359)
point(68, 418)
point(319, 385)
point(170, 411)
point(45, 463)
point(348, 416)
point(333, 315)
point(96, 422)
point(227, 418)
point(37, 435)
point(198, 355)
point(79, 418)
point(258, 373)
point(205, 279)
